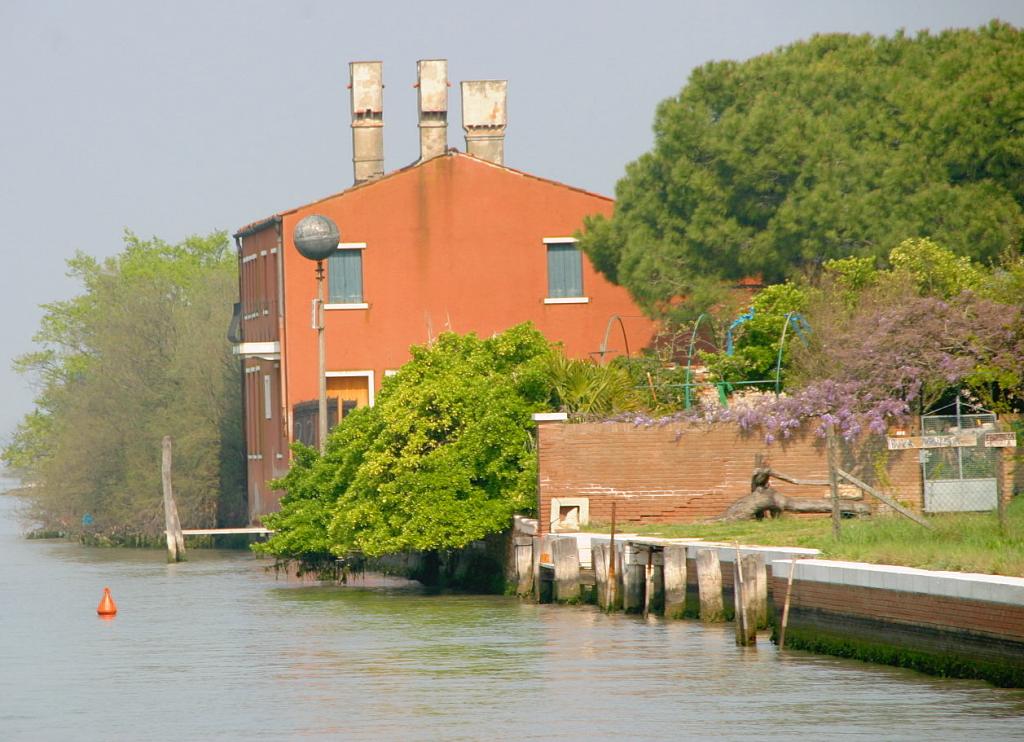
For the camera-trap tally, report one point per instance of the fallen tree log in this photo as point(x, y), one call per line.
point(767, 501)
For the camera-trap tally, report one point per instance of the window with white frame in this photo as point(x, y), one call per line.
point(565, 269)
point(345, 275)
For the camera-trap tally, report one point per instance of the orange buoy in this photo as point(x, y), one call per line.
point(107, 606)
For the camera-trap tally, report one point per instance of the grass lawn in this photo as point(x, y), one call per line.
point(962, 542)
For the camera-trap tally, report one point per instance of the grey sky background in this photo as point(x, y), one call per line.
point(177, 118)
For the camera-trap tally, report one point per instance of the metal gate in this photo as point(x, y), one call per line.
point(960, 472)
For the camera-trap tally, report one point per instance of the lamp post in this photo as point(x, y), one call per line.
point(316, 238)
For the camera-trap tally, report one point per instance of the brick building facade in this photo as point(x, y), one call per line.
point(454, 242)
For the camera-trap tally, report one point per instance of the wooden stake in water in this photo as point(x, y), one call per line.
point(675, 581)
point(759, 596)
point(599, 558)
point(709, 585)
point(524, 565)
point(739, 599)
point(612, 578)
point(172, 526)
point(785, 606)
point(648, 581)
point(565, 555)
point(633, 577)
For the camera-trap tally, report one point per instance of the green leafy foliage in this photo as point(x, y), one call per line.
point(444, 458)
point(582, 386)
point(834, 147)
point(659, 383)
point(139, 354)
point(756, 342)
point(935, 270)
point(937, 320)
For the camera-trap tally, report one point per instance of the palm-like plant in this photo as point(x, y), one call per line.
point(583, 387)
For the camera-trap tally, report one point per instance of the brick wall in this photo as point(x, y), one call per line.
point(683, 473)
point(938, 612)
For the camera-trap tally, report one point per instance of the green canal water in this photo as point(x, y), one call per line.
point(218, 648)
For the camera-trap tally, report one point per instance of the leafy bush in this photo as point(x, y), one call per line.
point(756, 341)
point(444, 458)
point(581, 386)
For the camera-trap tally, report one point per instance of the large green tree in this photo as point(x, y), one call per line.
point(444, 457)
point(834, 147)
point(140, 353)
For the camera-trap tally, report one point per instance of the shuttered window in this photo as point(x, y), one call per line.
point(345, 277)
point(565, 270)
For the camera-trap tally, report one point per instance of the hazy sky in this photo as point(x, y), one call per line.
point(174, 118)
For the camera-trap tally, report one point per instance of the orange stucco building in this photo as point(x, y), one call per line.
point(453, 242)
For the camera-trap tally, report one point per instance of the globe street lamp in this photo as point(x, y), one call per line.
point(316, 238)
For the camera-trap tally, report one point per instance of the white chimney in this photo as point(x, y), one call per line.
point(484, 117)
point(432, 98)
point(367, 119)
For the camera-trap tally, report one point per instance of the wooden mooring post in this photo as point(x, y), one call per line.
point(599, 558)
point(744, 591)
point(634, 577)
point(675, 581)
point(709, 586)
point(524, 555)
point(785, 607)
point(614, 593)
point(543, 569)
point(654, 579)
point(760, 596)
point(648, 582)
point(566, 558)
point(172, 526)
point(616, 582)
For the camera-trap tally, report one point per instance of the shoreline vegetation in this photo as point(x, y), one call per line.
point(961, 542)
point(448, 452)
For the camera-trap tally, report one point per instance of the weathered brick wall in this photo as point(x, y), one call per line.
point(683, 473)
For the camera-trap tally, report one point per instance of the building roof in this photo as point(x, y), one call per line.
point(261, 224)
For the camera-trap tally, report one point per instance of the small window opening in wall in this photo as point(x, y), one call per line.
point(565, 270)
point(267, 398)
point(345, 274)
point(569, 518)
point(569, 513)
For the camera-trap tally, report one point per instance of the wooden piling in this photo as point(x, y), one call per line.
point(634, 564)
point(172, 526)
point(739, 612)
point(599, 558)
point(566, 557)
point(648, 582)
point(760, 594)
point(785, 607)
point(614, 570)
point(524, 564)
point(656, 584)
point(750, 609)
point(675, 581)
point(542, 547)
point(744, 591)
point(618, 557)
point(709, 586)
